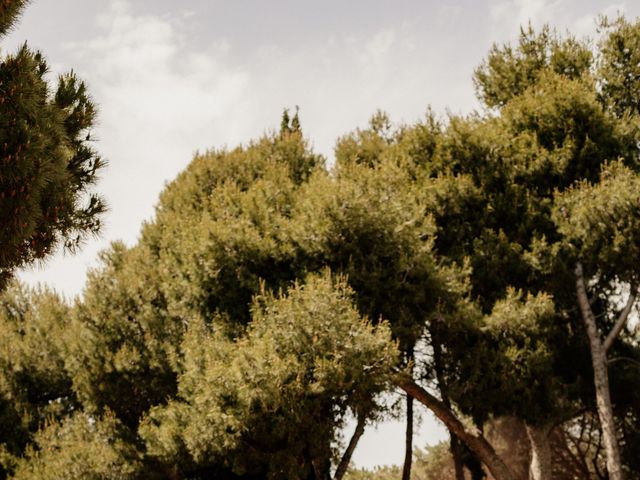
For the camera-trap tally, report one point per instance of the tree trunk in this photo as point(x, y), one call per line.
point(408, 436)
point(346, 457)
point(454, 443)
point(474, 440)
point(457, 456)
point(408, 441)
point(470, 462)
point(541, 466)
point(600, 380)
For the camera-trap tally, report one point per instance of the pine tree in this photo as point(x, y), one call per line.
point(47, 163)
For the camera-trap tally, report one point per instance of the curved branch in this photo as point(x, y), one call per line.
point(474, 440)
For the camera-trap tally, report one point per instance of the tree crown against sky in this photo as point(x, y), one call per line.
point(48, 162)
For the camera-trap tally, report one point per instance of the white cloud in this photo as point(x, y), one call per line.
point(509, 15)
point(159, 101)
point(380, 45)
point(585, 26)
point(341, 82)
point(448, 14)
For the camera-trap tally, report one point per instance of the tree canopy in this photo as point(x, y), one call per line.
point(484, 264)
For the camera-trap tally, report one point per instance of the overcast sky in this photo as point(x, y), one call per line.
point(172, 78)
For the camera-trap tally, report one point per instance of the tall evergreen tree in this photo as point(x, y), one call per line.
point(47, 163)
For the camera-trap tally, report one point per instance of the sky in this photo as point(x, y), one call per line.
point(173, 78)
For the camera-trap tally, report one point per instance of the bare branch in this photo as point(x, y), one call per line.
point(622, 319)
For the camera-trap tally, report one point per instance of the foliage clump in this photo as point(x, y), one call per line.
point(81, 446)
point(306, 360)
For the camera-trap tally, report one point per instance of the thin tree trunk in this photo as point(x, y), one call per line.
point(408, 435)
point(348, 453)
point(601, 375)
point(408, 441)
point(457, 456)
point(474, 440)
point(541, 466)
point(454, 443)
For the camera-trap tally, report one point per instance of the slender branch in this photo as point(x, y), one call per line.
point(581, 457)
point(408, 437)
point(624, 359)
point(583, 427)
point(622, 319)
point(566, 452)
point(595, 462)
point(346, 456)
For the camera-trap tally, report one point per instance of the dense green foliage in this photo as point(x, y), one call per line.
point(34, 383)
point(81, 446)
point(47, 160)
point(270, 298)
point(9, 14)
point(508, 71)
point(269, 405)
point(619, 65)
point(546, 179)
